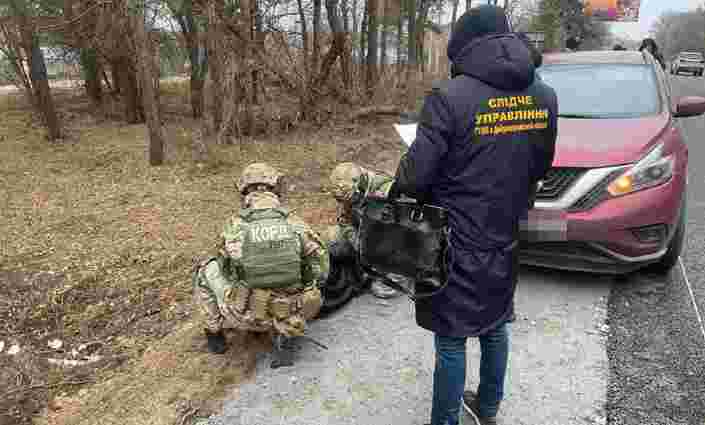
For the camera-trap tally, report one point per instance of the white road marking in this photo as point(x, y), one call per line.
point(692, 297)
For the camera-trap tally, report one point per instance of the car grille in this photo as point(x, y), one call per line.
point(570, 249)
point(557, 181)
point(596, 195)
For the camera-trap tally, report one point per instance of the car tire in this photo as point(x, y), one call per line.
point(675, 247)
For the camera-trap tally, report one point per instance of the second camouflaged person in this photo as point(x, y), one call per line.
point(348, 181)
point(266, 276)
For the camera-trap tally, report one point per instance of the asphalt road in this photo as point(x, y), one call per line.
point(585, 349)
point(657, 347)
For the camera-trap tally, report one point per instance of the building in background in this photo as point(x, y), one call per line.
point(613, 10)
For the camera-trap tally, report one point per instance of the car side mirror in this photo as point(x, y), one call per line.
point(690, 106)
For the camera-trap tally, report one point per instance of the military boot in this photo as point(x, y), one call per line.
point(216, 342)
point(284, 351)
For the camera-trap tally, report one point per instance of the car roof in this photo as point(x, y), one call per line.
point(624, 57)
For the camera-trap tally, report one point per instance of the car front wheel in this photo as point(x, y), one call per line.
point(675, 247)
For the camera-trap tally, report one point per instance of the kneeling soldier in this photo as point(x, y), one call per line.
point(349, 182)
point(267, 274)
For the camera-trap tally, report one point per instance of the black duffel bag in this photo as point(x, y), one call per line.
point(405, 239)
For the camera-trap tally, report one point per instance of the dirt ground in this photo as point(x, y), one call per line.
point(96, 322)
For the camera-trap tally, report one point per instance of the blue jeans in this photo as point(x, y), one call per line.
point(449, 375)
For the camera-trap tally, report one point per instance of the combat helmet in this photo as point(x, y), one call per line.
point(260, 174)
point(345, 179)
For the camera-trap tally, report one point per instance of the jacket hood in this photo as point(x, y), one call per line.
point(501, 61)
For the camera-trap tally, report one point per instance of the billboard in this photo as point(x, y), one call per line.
point(613, 10)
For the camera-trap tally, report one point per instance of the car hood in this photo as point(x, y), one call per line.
point(606, 142)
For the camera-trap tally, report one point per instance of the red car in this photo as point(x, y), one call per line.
point(615, 199)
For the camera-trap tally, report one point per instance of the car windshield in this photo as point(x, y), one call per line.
point(603, 90)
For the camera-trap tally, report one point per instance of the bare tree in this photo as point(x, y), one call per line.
point(372, 42)
point(454, 16)
point(192, 29)
point(316, 35)
point(25, 33)
point(11, 48)
point(150, 98)
point(676, 32)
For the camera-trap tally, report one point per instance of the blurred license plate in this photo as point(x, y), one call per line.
point(544, 225)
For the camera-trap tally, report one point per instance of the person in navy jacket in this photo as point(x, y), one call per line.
point(485, 139)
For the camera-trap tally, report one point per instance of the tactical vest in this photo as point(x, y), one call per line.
point(271, 250)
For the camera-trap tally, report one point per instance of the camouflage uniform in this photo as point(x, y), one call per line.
point(347, 181)
point(252, 285)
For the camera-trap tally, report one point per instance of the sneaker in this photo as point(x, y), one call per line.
point(471, 403)
point(383, 291)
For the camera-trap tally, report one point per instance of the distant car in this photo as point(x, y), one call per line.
point(692, 62)
point(614, 200)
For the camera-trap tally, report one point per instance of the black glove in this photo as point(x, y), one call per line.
point(341, 251)
point(394, 192)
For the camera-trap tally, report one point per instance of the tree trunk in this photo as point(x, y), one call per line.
point(127, 76)
point(339, 48)
point(400, 32)
point(92, 72)
point(115, 75)
point(149, 95)
point(454, 16)
point(384, 34)
point(356, 31)
point(105, 78)
point(421, 33)
point(40, 82)
point(363, 33)
point(316, 35)
point(304, 36)
point(37, 72)
point(197, 54)
point(16, 57)
point(215, 61)
point(412, 58)
point(372, 43)
point(345, 14)
point(259, 37)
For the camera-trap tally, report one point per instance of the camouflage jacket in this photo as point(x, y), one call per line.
point(314, 256)
point(370, 184)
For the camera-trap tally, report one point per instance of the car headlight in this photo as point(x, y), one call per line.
point(652, 170)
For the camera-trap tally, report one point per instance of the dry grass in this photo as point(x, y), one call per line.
point(122, 237)
point(172, 372)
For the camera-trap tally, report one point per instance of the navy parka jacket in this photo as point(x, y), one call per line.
point(485, 137)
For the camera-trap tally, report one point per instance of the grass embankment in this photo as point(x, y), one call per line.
point(121, 237)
